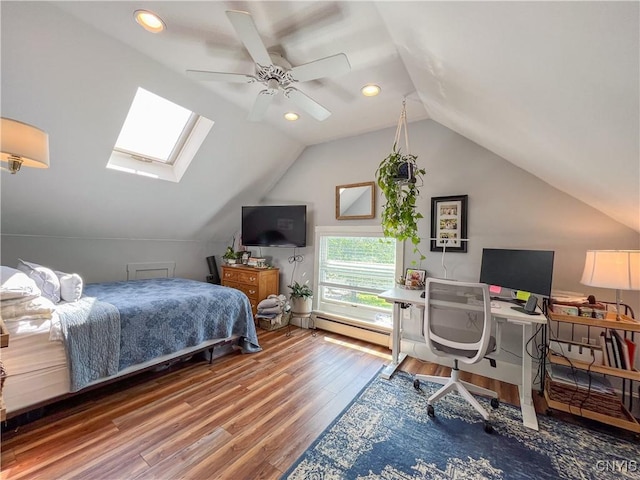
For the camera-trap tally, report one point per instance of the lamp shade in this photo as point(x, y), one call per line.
point(618, 269)
point(28, 143)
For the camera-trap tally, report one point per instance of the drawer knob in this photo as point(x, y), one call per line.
point(252, 292)
point(253, 279)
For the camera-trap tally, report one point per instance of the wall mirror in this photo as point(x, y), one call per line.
point(356, 201)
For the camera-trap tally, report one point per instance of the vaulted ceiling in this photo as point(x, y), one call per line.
point(552, 87)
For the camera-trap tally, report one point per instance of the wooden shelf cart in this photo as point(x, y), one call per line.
point(623, 418)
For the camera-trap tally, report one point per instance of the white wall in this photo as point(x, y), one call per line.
point(76, 83)
point(508, 207)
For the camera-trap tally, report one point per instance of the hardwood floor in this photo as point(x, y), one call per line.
point(244, 416)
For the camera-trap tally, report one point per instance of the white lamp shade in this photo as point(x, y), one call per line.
point(24, 141)
point(618, 269)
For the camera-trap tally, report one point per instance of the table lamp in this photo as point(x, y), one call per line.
point(22, 144)
point(619, 269)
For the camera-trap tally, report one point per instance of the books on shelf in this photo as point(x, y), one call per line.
point(631, 346)
point(622, 350)
point(617, 352)
point(612, 359)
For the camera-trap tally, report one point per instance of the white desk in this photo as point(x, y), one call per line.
point(401, 297)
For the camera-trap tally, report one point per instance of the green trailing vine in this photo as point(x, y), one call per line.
point(399, 214)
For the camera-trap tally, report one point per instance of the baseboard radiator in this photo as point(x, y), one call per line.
point(351, 328)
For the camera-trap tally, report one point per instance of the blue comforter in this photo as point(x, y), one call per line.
point(164, 315)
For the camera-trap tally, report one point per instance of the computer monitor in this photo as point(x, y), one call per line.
point(525, 270)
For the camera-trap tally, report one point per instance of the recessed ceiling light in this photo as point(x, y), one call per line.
point(149, 21)
point(291, 116)
point(370, 90)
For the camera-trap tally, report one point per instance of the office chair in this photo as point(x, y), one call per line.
point(457, 325)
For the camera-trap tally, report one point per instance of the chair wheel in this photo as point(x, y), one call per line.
point(488, 427)
point(495, 403)
point(430, 411)
point(416, 384)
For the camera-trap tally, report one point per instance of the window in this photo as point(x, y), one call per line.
point(159, 138)
point(354, 265)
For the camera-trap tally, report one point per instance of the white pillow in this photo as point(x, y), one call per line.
point(39, 307)
point(45, 279)
point(16, 284)
point(70, 286)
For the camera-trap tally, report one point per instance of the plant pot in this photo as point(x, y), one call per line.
point(230, 261)
point(406, 172)
point(301, 306)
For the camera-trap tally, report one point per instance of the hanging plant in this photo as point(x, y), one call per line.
point(400, 179)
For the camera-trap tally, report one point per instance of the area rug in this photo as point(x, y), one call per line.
point(386, 434)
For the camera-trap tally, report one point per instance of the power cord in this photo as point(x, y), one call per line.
point(295, 259)
point(574, 371)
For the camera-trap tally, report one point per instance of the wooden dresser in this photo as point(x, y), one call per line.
point(256, 283)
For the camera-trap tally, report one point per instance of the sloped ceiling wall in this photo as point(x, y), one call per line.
point(553, 87)
point(77, 84)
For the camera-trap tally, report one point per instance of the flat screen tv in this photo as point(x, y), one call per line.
point(525, 270)
point(274, 226)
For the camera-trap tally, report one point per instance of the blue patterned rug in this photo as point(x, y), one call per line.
point(386, 434)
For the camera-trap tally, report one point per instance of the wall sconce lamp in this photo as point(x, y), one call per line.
point(22, 144)
point(619, 269)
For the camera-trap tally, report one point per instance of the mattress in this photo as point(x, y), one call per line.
point(36, 366)
point(37, 369)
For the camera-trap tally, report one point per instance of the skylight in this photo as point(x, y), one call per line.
point(159, 138)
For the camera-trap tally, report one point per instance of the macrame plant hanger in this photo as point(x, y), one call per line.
point(402, 124)
point(409, 170)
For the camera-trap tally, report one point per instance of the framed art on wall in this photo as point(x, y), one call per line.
point(449, 223)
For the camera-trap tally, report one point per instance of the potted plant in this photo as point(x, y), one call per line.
point(229, 256)
point(301, 298)
point(399, 179)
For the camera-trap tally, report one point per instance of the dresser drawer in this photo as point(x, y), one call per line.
point(241, 276)
point(254, 283)
point(250, 278)
point(249, 290)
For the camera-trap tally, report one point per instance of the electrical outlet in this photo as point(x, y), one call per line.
point(406, 314)
point(589, 341)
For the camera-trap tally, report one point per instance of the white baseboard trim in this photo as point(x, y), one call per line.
point(354, 331)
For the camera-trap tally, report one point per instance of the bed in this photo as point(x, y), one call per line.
point(115, 329)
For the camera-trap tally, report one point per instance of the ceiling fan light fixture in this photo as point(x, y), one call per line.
point(291, 116)
point(149, 21)
point(370, 90)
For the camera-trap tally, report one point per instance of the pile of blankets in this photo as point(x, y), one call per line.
point(272, 309)
point(21, 298)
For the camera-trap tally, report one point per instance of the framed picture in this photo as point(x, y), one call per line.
point(449, 223)
point(414, 277)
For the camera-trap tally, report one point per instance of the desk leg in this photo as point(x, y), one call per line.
point(396, 357)
point(529, 418)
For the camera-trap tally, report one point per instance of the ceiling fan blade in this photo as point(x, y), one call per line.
point(264, 99)
point(325, 67)
point(306, 103)
point(220, 76)
point(246, 29)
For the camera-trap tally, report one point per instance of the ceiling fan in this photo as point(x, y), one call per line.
point(275, 72)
